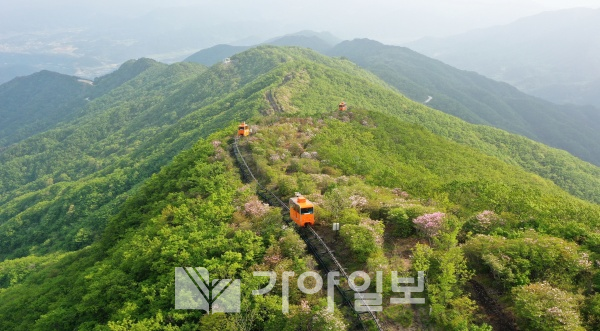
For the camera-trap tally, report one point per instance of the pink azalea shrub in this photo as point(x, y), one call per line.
point(255, 208)
point(485, 221)
point(430, 224)
point(486, 218)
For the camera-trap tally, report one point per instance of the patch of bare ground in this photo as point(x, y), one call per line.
point(491, 309)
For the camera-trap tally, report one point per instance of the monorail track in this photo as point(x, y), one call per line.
point(324, 256)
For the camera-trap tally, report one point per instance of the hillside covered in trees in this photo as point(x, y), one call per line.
point(478, 99)
point(467, 95)
point(96, 212)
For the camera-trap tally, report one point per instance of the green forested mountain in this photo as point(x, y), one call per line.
point(319, 42)
point(215, 54)
point(477, 99)
point(33, 104)
point(464, 94)
point(39, 102)
point(59, 186)
point(95, 214)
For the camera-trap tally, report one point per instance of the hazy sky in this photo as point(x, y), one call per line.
point(390, 21)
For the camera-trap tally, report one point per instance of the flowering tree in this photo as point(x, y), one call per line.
point(540, 306)
point(328, 321)
point(255, 208)
point(487, 217)
point(485, 220)
point(430, 224)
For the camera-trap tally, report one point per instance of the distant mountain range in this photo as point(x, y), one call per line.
point(552, 55)
point(468, 95)
point(320, 42)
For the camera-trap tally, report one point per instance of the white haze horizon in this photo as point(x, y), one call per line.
point(391, 22)
point(92, 38)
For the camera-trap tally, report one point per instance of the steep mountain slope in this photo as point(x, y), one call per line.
point(552, 55)
point(453, 194)
point(477, 99)
point(467, 95)
point(196, 211)
point(84, 169)
point(184, 215)
point(39, 102)
point(59, 186)
point(317, 85)
point(33, 104)
point(137, 186)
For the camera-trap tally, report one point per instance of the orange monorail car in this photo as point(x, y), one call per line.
point(302, 210)
point(243, 129)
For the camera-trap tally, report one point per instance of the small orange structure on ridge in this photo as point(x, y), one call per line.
point(243, 129)
point(302, 210)
point(342, 106)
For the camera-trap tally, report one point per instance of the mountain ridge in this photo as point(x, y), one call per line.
point(479, 100)
point(156, 188)
point(467, 95)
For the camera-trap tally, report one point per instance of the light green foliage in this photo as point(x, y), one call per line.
point(540, 306)
point(180, 217)
point(400, 314)
point(287, 186)
point(13, 272)
point(447, 275)
point(306, 184)
point(336, 201)
point(477, 99)
point(328, 83)
point(531, 258)
point(292, 245)
point(117, 140)
point(402, 223)
point(144, 114)
point(349, 216)
point(115, 185)
point(157, 323)
point(446, 270)
point(217, 322)
point(452, 178)
point(462, 178)
point(447, 236)
point(360, 241)
point(421, 260)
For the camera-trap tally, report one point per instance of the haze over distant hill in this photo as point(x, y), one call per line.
point(92, 38)
point(553, 55)
point(318, 41)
